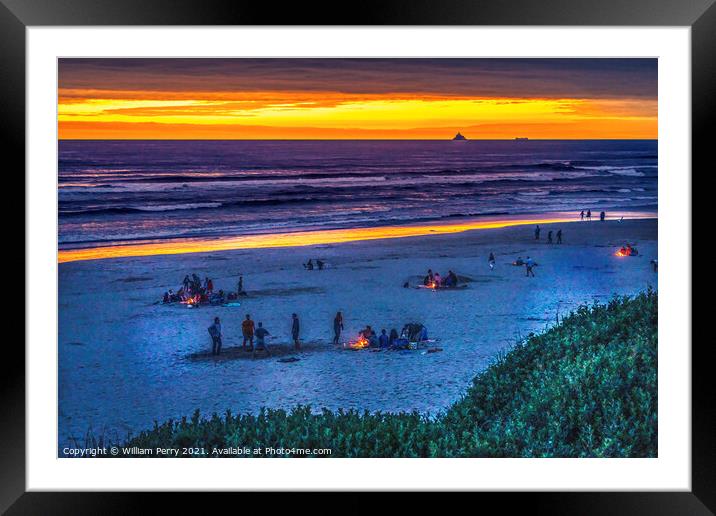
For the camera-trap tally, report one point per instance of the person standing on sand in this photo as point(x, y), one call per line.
point(215, 332)
point(491, 261)
point(602, 216)
point(247, 328)
point(581, 215)
point(559, 236)
point(261, 333)
point(549, 237)
point(337, 327)
point(529, 265)
point(295, 329)
point(589, 215)
point(240, 286)
point(537, 230)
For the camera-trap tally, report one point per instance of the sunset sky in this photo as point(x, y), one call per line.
point(357, 98)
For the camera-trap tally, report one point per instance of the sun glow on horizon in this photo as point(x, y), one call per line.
point(325, 115)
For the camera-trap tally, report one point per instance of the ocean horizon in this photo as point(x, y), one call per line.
point(121, 192)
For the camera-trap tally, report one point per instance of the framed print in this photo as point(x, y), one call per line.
point(423, 252)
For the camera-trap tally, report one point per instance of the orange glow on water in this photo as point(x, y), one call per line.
point(307, 238)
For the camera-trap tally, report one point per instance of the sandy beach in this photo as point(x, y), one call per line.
point(126, 361)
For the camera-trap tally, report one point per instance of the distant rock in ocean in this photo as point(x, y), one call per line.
point(459, 136)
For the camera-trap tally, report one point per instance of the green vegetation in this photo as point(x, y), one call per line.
point(584, 388)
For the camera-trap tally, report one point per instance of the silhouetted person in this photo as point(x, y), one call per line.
point(537, 230)
point(559, 236)
point(491, 261)
point(549, 237)
point(602, 216)
point(589, 214)
point(215, 332)
point(393, 339)
point(383, 340)
point(337, 327)
point(261, 334)
point(295, 329)
point(320, 264)
point(581, 215)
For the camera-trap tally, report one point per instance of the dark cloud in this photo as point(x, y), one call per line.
point(548, 78)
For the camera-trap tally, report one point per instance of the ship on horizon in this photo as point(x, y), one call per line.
point(459, 136)
point(521, 139)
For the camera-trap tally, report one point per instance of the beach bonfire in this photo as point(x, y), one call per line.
point(360, 343)
point(191, 300)
point(626, 251)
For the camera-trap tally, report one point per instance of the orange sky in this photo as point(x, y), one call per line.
point(354, 99)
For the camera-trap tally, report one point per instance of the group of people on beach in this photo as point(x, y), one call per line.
point(538, 230)
point(628, 250)
point(434, 280)
point(195, 292)
point(411, 332)
point(588, 215)
point(309, 265)
point(249, 331)
point(529, 264)
point(192, 289)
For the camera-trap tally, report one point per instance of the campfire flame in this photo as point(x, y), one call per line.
point(361, 343)
point(191, 301)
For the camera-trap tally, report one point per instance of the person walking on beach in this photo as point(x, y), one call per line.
point(337, 327)
point(589, 215)
point(537, 230)
point(295, 328)
point(215, 332)
point(247, 328)
point(581, 215)
point(559, 236)
point(549, 237)
point(491, 261)
point(529, 265)
point(602, 216)
point(261, 333)
point(240, 286)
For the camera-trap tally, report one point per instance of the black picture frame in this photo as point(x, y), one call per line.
point(17, 15)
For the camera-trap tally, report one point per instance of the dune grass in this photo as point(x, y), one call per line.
point(586, 387)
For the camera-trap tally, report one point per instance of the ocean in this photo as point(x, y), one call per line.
point(119, 192)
